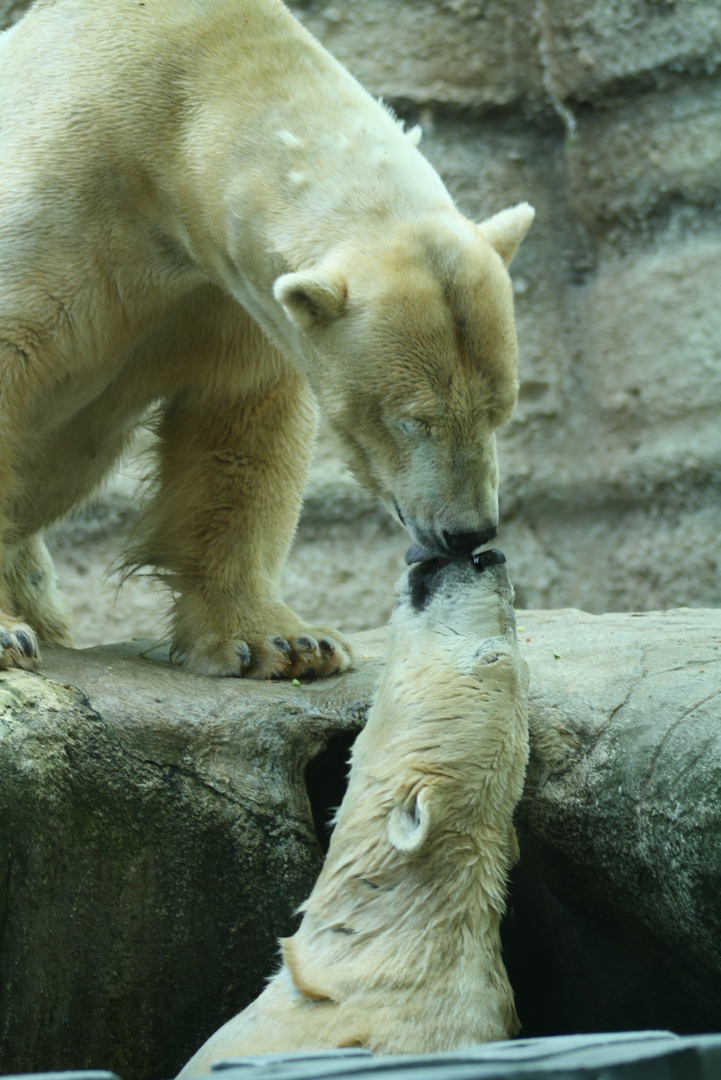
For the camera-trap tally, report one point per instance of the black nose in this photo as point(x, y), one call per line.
point(465, 543)
point(490, 557)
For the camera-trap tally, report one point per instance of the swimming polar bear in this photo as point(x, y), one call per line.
point(399, 948)
point(201, 210)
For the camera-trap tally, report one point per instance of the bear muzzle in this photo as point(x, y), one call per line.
point(452, 544)
point(425, 575)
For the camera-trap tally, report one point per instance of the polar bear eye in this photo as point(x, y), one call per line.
point(415, 425)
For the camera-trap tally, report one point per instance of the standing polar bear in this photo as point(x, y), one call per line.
point(200, 209)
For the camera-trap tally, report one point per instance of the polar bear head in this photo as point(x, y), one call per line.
point(410, 345)
point(449, 738)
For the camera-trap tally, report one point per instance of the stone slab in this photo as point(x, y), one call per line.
point(158, 830)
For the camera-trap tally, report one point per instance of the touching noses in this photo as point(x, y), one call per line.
point(466, 542)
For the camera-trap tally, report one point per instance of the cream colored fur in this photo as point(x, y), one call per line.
point(399, 948)
point(200, 208)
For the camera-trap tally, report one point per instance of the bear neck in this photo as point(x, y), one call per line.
point(308, 170)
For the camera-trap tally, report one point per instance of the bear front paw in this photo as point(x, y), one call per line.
point(18, 645)
point(310, 654)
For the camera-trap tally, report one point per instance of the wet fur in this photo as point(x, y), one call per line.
point(399, 948)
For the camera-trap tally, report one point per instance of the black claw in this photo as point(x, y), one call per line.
point(306, 643)
point(325, 646)
point(282, 644)
point(5, 639)
point(26, 645)
point(243, 654)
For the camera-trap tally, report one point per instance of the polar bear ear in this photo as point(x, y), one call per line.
point(504, 231)
point(310, 299)
point(409, 823)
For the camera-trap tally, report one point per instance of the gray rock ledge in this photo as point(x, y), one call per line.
point(158, 830)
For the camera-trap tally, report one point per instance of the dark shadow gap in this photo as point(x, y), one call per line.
point(326, 780)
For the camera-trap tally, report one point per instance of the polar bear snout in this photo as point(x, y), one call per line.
point(467, 542)
point(457, 578)
point(492, 557)
point(446, 544)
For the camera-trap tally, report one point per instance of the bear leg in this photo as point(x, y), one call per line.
point(232, 470)
point(30, 576)
point(30, 586)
